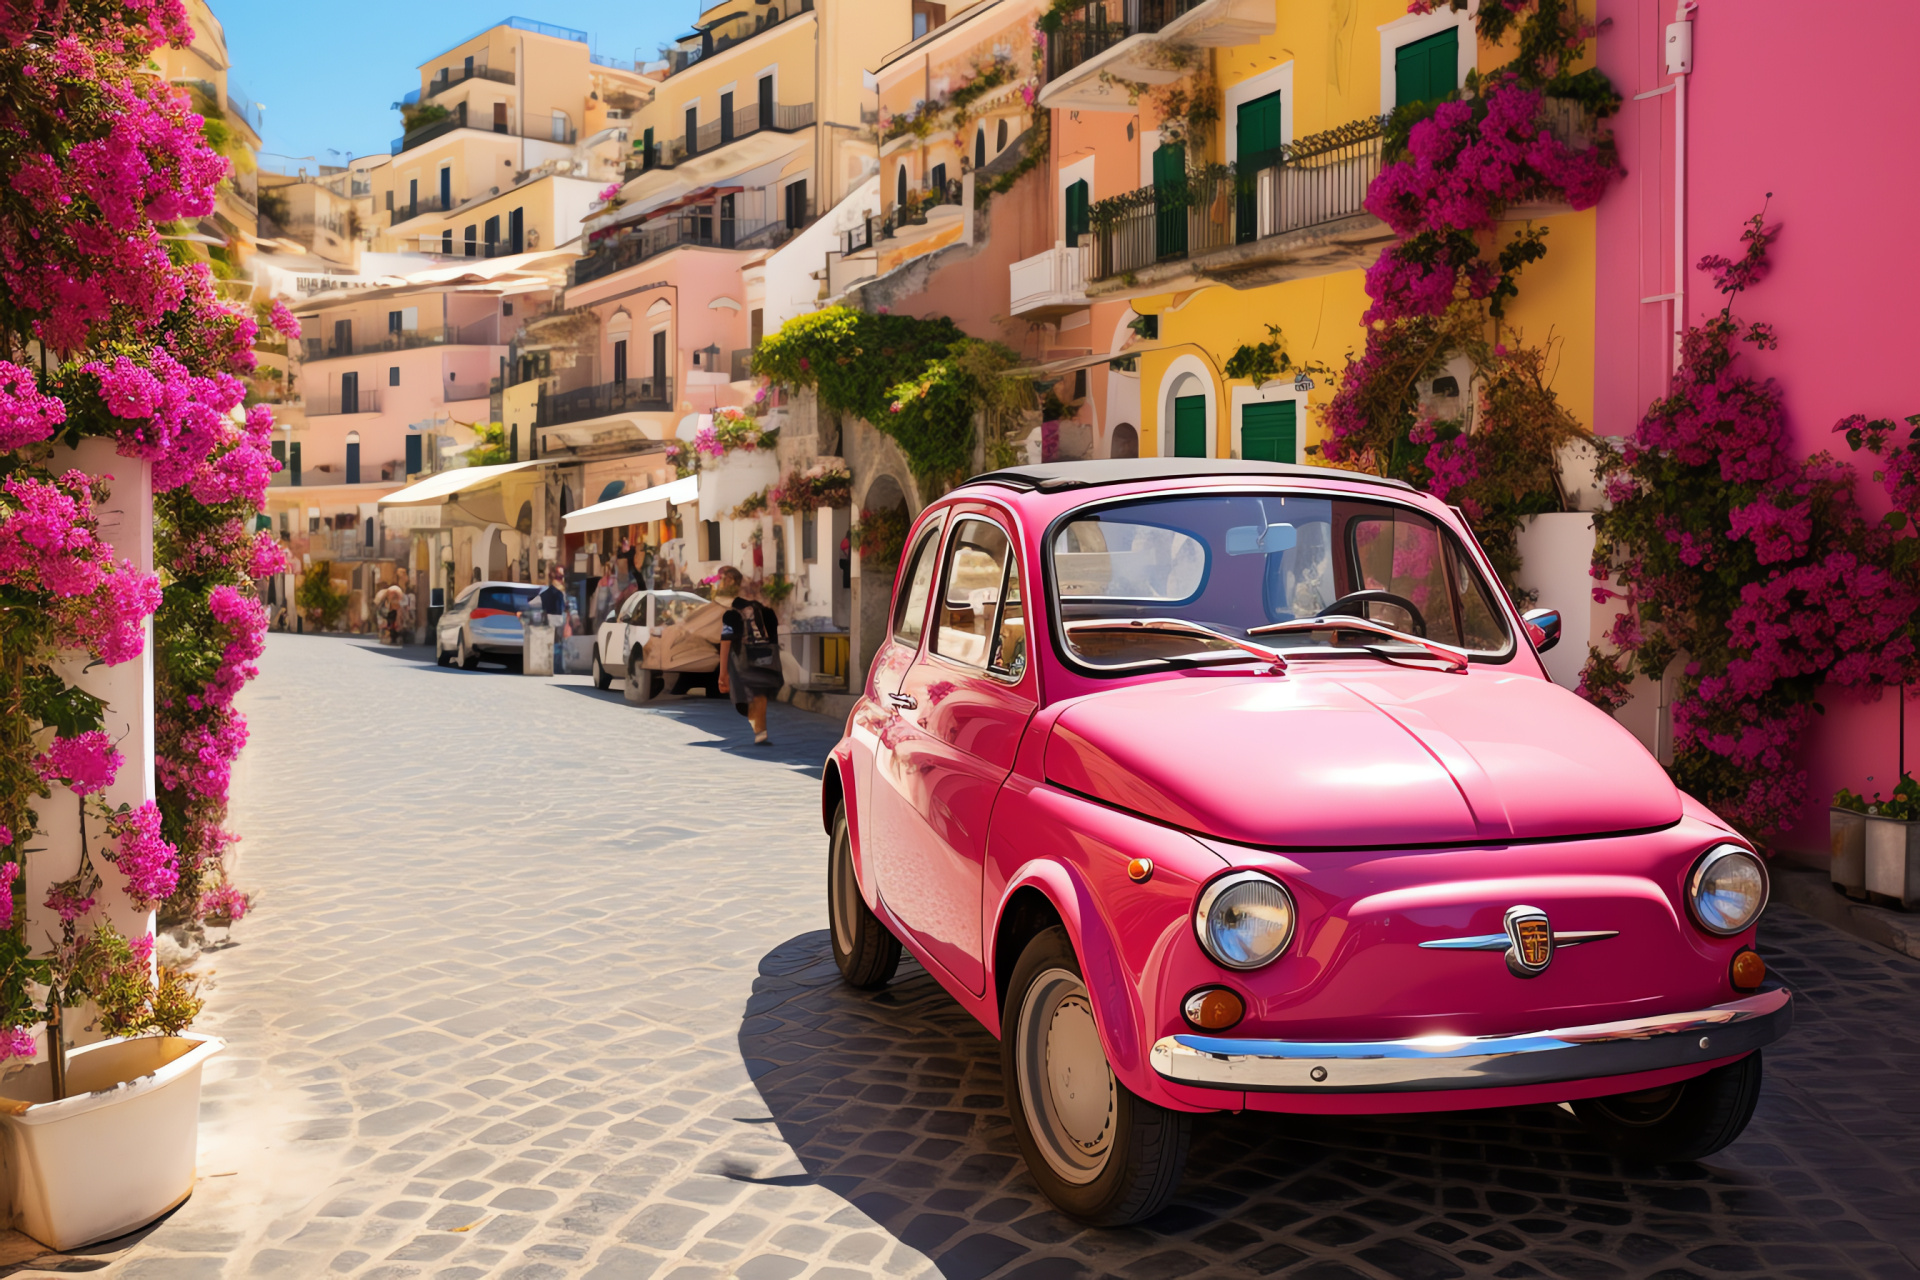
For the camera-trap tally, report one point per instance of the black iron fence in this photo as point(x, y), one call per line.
point(632, 395)
point(1092, 29)
point(740, 221)
point(1318, 179)
point(756, 118)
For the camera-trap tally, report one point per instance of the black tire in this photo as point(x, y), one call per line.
point(1686, 1121)
point(466, 657)
point(1130, 1168)
point(867, 953)
point(440, 658)
point(601, 680)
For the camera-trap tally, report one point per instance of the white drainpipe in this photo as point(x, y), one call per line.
point(1679, 66)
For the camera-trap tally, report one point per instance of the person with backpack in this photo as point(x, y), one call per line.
point(750, 669)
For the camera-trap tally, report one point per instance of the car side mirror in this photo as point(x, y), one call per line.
point(1543, 628)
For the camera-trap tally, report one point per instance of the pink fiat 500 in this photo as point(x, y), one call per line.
point(1221, 786)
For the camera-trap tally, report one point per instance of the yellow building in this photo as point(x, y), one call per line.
point(234, 125)
point(1292, 96)
point(510, 136)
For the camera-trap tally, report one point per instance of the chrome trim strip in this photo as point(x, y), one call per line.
point(1478, 1062)
point(1500, 941)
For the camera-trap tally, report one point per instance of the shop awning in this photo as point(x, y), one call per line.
point(634, 508)
point(448, 483)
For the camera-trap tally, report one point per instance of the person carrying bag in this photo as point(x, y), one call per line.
point(750, 666)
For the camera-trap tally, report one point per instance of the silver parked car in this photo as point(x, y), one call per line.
point(483, 622)
point(625, 633)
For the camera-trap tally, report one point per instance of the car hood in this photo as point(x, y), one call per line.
point(1361, 759)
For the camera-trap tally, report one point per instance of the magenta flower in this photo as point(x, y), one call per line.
point(86, 762)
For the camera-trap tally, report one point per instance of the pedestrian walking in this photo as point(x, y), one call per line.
point(750, 668)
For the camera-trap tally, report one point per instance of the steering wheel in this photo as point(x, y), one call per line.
point(1354, 605)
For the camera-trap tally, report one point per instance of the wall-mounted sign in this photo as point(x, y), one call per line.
point(1302, 382)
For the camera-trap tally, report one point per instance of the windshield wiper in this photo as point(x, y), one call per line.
point(1179, 626)
point(1456, 659)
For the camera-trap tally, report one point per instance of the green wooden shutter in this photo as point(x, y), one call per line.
point(1257, 145)
point(1079, 220)
point(1427, 70)
point(1267, 433)
point(1190, 427)
point(1170, 200)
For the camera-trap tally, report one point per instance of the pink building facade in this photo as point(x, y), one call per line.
point(1800, 110)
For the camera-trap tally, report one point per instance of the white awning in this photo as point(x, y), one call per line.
point(634, 508)
point(448, 483)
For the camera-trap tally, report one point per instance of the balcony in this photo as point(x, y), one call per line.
point(241, 104)
point(1048, 285)
point(444, 246)
point(1303, 215)
point(735, 28)
point(707, 225)
point(449, 78)
point(335, 404)
point(921, 206)
point(424, 205)
point(459, 392)
point(761, 118)
point(483, 333)
point(633, 395)
point(1103, 47)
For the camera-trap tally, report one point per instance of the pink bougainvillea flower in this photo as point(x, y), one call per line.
point(86, 762)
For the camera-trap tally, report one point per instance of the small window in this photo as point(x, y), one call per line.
point(910, 612)
point(1427, 70)
point(1079, 219)
point(393, 375)
point(1000, 135)
point(970, 592)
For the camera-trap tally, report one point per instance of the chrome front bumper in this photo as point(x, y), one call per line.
point(1479, 1062)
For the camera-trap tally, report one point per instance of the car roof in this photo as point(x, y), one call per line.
point(1051, 477)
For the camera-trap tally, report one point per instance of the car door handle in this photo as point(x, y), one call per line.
point(904, 701)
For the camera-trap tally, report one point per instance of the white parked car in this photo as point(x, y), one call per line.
point(641, 617)
point(483, 622)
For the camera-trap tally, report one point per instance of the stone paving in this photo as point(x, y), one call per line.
point(538, 988)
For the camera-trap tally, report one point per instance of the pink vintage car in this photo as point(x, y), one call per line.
point(1267, 803)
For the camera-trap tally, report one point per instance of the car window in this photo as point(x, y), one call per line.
point(671, 607)
point(1401, 554)
point(504, 599)
point(1117, 559)
point(970, 592)
point(910, 610)
point(631, 607)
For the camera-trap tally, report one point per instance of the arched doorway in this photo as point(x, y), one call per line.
point(1126, 441)
point(885, 506)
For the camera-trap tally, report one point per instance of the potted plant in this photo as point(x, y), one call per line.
point(1847, 835)
point(1892, 846)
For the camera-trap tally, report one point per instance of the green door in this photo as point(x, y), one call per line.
point(1257, 147)
point(1190, 426)
point(1079, 219)
point(1427, 70)
point(1267, 432)
point(1170, 201)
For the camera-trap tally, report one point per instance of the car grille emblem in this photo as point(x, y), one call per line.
point(1531, 939)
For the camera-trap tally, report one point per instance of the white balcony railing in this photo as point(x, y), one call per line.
point(1052, 282)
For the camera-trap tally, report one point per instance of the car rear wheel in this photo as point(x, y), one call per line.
point(865, 950)
point(440, 658)
point(1100, 1153)
point(601, 680)
point(466, 657)
point(1686, 1121)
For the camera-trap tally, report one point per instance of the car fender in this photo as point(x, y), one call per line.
point(837, 787)
point(1117, 1012)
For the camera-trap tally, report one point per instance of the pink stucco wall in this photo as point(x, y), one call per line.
point(1815, 107)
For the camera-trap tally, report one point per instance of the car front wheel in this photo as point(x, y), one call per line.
point(601, 680)
point(865, 950)
point(466, 657)
point(1677, 1122)
point(1100, 1153)
point(440, 658)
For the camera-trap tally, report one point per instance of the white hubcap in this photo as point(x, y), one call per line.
point(1066, 1087)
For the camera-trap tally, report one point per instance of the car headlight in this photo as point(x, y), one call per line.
point(1726, 890)
point(1244, 920)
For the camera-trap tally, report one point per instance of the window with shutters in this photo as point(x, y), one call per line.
point(1427, 70)
point(1079, 221)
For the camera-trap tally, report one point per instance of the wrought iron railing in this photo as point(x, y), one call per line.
point(1092, 29)
point(450, 77)
point(330, 404)
point(633, 395)
point(744, 122)
point(425, 204)
point(708, 225)
point(914, 214)
point(1316, 180)
point(481, 333)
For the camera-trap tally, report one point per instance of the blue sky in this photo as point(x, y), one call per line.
point(330, 72)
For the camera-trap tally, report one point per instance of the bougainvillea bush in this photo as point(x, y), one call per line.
point(1757, 569)
point(109, 327)
point(1451, 172)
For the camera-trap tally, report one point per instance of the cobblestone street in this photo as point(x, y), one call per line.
point(539, 987)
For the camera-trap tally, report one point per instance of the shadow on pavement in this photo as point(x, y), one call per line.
point(893, 1101)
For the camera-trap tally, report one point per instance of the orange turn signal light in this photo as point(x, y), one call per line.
point(1749, 970)
point(1213, 1009)
point(1140, 870)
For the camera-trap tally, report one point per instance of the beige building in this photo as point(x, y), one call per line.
point(509, 137)
point(234, 124)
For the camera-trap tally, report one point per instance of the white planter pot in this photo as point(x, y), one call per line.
point(1847, 829)
point(1893, 860)
point(117, 1152)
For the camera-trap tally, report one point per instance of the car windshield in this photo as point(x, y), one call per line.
point(506, 599)
point(671, 607)
point(1141, 582)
